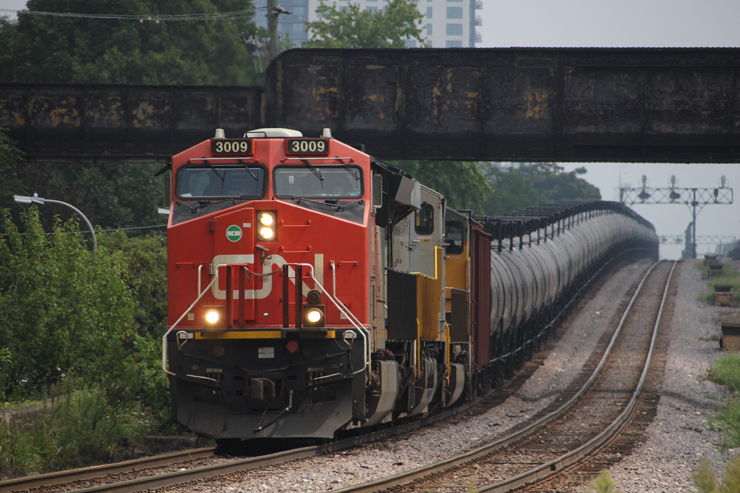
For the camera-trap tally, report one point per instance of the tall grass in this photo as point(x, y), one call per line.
point(726, 370)
point(78, 428)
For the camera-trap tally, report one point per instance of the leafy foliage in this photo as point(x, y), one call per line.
point(534, 184)
point(63, 308)
point(352, 27)
point(146, 278)
point(10, 156)
point(78, 429)
point(64, 49)
point(493, 190)
point(110, 196)
point(462, 183)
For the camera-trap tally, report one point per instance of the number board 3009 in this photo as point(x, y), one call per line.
point(231, 146)
point(308, 146)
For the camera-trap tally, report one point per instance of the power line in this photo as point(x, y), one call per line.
point(222, 16)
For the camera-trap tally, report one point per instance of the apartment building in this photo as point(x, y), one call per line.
point(446, 23)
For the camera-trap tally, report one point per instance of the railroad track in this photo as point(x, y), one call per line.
point(102, 477)
point(577, 427)
point(93, 472)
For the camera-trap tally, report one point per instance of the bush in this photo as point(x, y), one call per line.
point(79, 428)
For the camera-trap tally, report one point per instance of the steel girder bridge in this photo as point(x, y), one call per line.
point(583, 105)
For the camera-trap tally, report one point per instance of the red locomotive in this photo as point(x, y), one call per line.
point(313, 288)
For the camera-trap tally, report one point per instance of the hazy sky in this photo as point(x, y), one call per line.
point(631, 23)
point(624, 23)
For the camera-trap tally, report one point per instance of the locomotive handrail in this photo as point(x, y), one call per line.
point(350, 316)
point(164, 337)
point(353, 319)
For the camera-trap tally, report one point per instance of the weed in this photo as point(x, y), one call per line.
point(714, 338)
point(726, 370)
point(472, 485)
point(603, 484)
point(729, 417)
point(705, 481)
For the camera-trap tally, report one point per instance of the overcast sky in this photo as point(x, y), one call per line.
point(624, 23)
point(631, 23)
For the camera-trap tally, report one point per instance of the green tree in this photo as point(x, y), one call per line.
point(555, 186)
point(110, 196)
point(63, 308)
point(68, 49)
point(352, 27)
point(511, 192)
point(461, 182)
point(10, 156)
point(532, 184)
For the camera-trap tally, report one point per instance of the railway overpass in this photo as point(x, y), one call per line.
point(582, 105)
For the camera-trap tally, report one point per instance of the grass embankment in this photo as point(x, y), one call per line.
point(78, 428)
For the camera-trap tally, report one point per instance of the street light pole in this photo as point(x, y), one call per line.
point(22, 199)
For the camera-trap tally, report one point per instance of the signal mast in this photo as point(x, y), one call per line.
point(692, 197)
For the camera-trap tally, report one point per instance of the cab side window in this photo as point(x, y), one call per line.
point(454, 237)
point(424, 220)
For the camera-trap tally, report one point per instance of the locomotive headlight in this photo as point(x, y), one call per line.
point(266, 234)
point(267, 223)
point(313, 316)
point(212, 316)
point(266, 219)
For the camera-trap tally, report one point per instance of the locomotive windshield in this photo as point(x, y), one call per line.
point(319, 182)
point(221, 182)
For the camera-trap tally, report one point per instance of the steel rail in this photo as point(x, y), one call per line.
point(61, 477)
point(179, 477)
point(556, 465)
point(438, 467)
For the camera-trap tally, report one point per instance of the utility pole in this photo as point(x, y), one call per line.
point(272, 30)
point(691, 197)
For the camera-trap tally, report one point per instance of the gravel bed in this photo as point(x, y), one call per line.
point(679, 437)
point(438, 442)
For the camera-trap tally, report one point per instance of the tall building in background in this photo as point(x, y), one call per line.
point(446, 23)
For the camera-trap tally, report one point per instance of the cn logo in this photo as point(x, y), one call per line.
point(266, 289)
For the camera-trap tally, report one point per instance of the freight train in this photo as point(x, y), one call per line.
point(313, 288)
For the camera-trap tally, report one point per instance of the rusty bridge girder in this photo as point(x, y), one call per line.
point(608, 105)
point(515, 104)
point(121, 122)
